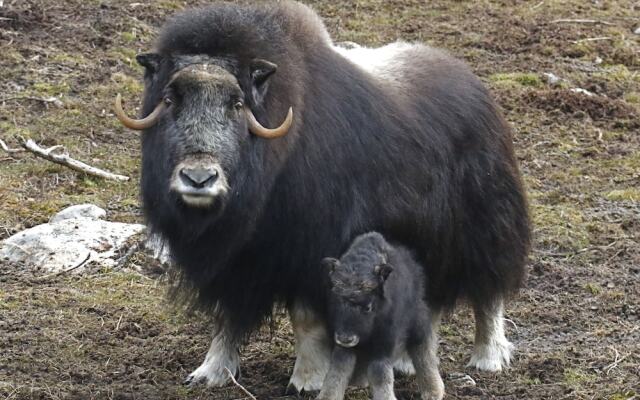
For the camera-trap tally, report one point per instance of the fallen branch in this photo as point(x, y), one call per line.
point(581, 21)
point(8, 149)
point(594, 39)
point(64, 159)
point(56, 101)
point(235, 382)
point(64, 271)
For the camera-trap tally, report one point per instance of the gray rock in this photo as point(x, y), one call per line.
point(81, 210)
point(460, 379)
point(637, 31)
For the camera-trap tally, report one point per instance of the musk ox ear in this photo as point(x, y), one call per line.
point(383, 271)
point(260, 71)
point(330, 264)
point(151, 61)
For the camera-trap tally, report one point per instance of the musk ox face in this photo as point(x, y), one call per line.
point(201, 124)
point(356, 295)
point(205, 130)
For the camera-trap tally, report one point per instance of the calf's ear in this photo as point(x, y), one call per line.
point(260, 71)
point(383, 271)
point(150, 61)
point(330, 264)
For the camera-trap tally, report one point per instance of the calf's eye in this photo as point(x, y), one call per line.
point(238, 105)
point(368, 308)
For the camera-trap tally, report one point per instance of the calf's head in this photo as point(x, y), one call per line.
point(200, 122)
point(357, 295)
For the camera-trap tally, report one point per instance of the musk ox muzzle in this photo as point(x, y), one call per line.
point(199, 180)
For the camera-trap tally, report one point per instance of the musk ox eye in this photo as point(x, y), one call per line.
point(167, 100)
point(238, 105)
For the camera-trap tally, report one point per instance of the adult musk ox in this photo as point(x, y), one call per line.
point(251, 196)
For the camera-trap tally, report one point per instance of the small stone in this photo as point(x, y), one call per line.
point(637, 31)
point(552, 79)
point(460, 379)
point(582, 91)
point(80, 211)
point(598, 61)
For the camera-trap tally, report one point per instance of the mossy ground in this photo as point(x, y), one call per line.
point(111, 334)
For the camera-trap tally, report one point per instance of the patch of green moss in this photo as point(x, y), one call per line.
point(125, 55)
point(51, 89)
point(626, 395)
point(516, 79)
point(530, 381)
point(128, 36)
point(127, 84)
point(593, 288)
point(576, 377)
point(619, 73)
point(632, 194)
point(632, 97)
point(560, 225)
point(11, 55)
point(69, 58)
point(171, 5)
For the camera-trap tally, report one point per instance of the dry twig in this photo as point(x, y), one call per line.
point(8, 149)
point(120, 262)
point(235, 382)
point(64, 271)
point(594, 39)
point(54, 100)
point(581, 21)
point(64, 159)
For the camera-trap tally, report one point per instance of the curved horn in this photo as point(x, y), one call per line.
point(138, 124)
point(257, 129)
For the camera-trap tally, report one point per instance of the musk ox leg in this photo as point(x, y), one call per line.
point(222, 353)
point(313, 350)
point(492, 350)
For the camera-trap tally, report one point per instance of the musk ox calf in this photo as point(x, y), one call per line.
point(265, 148)
point(376, 313)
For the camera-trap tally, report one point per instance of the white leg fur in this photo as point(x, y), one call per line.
point(492, 350)
point(313, 350)
point(222, 353)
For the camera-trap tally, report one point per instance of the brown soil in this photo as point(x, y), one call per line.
point(111, 333)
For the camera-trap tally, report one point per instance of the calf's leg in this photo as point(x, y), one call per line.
point(340, 370)
point(380, 375)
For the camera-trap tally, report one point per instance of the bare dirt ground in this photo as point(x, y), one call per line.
point(112, 334)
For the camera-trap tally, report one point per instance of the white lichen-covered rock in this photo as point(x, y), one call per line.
point(81, 210)
point(71, 236)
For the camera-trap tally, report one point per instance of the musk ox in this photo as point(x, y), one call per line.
point(376, 313)
point(265, 148)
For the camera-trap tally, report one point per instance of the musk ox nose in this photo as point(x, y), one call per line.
point(198, 178)
point(346, 340)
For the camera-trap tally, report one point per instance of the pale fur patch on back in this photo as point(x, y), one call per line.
point(382, 62)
